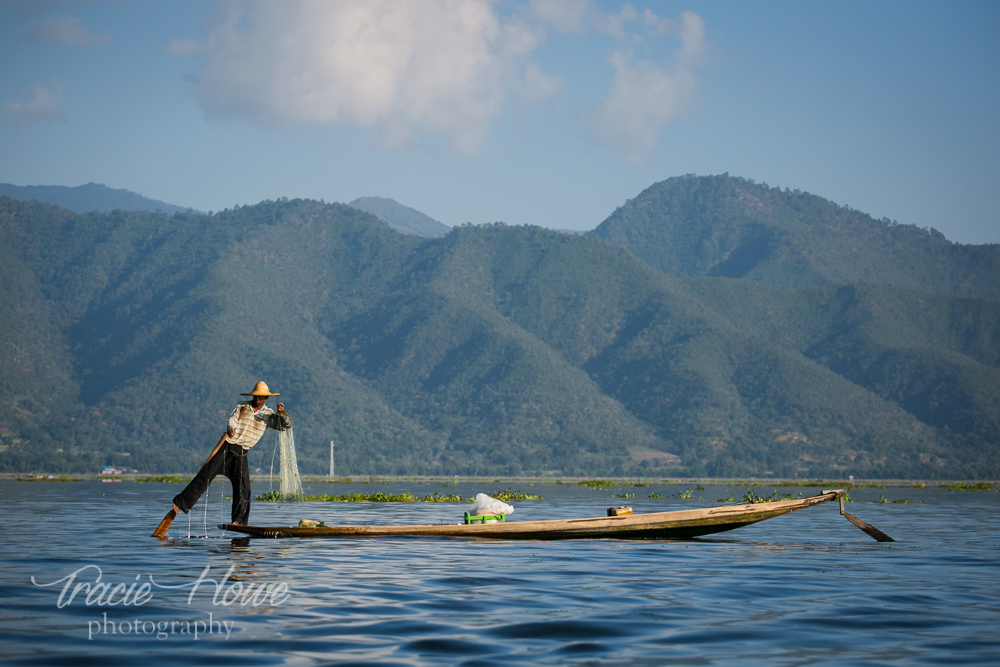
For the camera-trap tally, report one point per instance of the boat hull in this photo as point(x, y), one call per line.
point(681, 524)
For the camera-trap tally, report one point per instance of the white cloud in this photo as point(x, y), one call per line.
point(581, 16)
point(403, 69)
point(407, 70)
point(65, 30)
point(565, 15)
point(614, 24)
point(646, 95)
point(659, 26)
point(537, 85)
point(38, 103)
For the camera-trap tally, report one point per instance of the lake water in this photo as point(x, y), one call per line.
point(803, 589)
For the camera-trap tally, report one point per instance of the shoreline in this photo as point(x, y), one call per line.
point(544, 480)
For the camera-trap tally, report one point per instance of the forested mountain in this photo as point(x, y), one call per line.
point(86, 198)
point(401, 218)
point(126, 338)
point(733, 227)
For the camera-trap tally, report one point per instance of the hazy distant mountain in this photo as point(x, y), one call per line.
point(402, 218)
point(87, 198)
point(732, 227)
point(492, 350)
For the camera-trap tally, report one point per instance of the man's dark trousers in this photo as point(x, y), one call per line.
point(231, 461)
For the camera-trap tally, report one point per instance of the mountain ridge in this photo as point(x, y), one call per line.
point(88, 197)
point(725, 226)
point(402, 218)
point(491, 350)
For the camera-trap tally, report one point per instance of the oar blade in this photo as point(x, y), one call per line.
point(161, 530)
point(867, 527)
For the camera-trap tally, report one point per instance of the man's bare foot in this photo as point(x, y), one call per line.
point(236, 523)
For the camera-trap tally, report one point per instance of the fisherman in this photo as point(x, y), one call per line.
point(246, 426)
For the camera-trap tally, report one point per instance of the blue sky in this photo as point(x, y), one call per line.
point(546, 112)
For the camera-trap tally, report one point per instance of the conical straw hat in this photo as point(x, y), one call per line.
point(260, 389)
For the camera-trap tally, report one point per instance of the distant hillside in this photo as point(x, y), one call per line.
point(732, 227)
point(125, 338)
point(402, 218)
point(86, 198)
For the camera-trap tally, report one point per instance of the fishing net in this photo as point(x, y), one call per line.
point(291, 484)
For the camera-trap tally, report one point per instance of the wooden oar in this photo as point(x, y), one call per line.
point(161, 530)
point(865, 526)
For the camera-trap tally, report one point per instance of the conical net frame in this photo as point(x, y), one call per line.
point(291, 484)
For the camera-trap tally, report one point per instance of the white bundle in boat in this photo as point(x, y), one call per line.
point(488, 505)
point(291, 484)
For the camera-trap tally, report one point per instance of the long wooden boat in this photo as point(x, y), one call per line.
point(659, 525)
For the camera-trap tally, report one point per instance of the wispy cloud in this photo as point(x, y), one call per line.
point(39, 103)
point(65, 30)
point(403, 69)
point(647, 95)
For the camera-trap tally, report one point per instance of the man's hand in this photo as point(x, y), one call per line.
point(281, 407)
point(231, 432)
